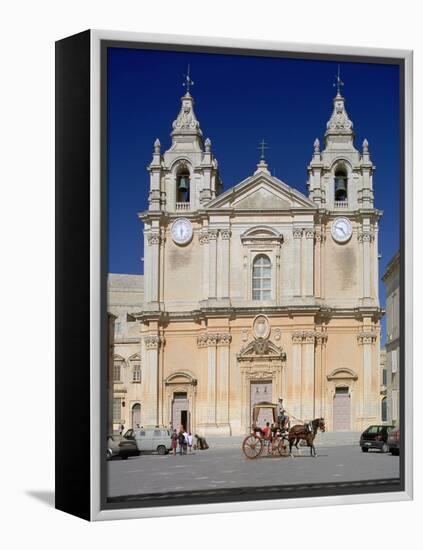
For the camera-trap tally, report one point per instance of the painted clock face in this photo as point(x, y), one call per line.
point(341, 230)
point(181, 231)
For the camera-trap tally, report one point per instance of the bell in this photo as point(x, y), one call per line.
point(183, 184)
point(340, 185)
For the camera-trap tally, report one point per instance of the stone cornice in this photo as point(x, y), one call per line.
point(314, 310)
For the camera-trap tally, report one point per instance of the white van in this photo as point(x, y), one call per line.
point(150, 439)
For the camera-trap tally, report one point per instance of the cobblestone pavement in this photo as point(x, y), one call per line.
point(224, 466)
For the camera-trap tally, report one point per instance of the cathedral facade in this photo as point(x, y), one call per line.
point(257, 292)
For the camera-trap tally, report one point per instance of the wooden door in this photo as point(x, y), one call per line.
point(341, 410)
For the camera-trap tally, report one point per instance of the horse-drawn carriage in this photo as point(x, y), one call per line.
point(278, 439)
point(273, 442)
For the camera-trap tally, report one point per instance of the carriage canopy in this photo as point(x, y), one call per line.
point(265, 405)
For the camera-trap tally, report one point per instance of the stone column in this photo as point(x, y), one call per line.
point(153, 239)
point(319, 381)
point(224, 264)
point(308, 263)
point(365, 237)
point(366, 339)
point(212, 234)
point(294, 401)
point(150, 380)
point(204, 241)
point(307, 376)
point(297, 235)
point(317, 264)
point(211, 379)
point(375, 248)
point(223, 383)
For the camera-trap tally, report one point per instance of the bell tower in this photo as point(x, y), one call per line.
point(340, 177)
point(186, 176)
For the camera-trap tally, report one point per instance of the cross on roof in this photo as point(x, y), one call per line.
point(338, 82)
point(262, 146)
point(188, 82)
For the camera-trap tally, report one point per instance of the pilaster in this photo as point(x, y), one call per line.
point(297, 234)
point(212, 236)
point(150, 379)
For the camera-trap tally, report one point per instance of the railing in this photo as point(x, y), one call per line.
point(182, 206)
point(341, 204)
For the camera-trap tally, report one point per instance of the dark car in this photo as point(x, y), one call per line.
point(375, 437)
point(394, 441)
point(120, 447)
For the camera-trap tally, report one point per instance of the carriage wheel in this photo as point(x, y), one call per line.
point(274, 447)
point(252, 446)
point(283, 448)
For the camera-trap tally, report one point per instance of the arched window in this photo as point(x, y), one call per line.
point(262, 278)
point(182, 185)
point(341, 185)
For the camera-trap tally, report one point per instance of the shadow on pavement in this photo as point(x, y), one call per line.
point(46, 497)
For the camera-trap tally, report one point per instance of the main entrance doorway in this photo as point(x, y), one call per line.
point(181, 411)
point(341, 410)
point(261, 391)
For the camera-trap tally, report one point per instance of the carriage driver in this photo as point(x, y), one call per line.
point(282, 416)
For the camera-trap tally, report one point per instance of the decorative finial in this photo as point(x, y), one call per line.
point(262, 146)
point(207, 144)
point(316, 145)
point(157, 146)
point(188, 81)
point(338, 82)
point(365, 146)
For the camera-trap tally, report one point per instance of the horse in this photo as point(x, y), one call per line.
point(298, 432)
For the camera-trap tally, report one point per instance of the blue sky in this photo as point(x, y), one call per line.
point(240, 100)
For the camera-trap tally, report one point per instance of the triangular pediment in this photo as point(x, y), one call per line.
point(261, 192)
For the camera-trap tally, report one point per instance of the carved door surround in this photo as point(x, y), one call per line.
point(180, 382)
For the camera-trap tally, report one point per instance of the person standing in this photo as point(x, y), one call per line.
point(181, 440)
point(185, 442)
point(190, 442)
point(174, 440)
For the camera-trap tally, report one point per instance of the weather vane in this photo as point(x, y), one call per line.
point(262, 146)
point(188, 82)
point(338, 82)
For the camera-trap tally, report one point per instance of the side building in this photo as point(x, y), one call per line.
point(391, 278)
point(125, 296)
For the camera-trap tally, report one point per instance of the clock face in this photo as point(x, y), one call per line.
point(341, 230)
point(181, 231)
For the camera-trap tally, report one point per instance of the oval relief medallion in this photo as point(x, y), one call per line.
point(261, 327)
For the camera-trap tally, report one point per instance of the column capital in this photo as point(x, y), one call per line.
point(203, 236)
point(297, 233)
point(153, 238)
point(208, 339)
point(226, 234)
point(212, 234)
point(367, 337)
point(154, 341)
point(365, 236)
